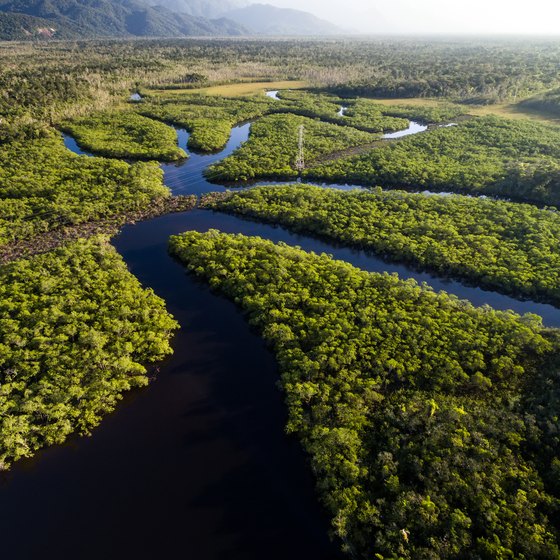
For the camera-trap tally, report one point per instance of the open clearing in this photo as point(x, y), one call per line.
point(239, 89)
point(514, 111)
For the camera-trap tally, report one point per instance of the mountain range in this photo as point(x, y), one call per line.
point(264, 19)
point(199, 8)
point(66, 19)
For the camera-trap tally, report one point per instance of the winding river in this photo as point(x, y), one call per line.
point(196, 466)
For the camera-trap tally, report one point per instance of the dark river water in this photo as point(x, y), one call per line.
point(197, 465)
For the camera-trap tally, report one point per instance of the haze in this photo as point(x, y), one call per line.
point(539, 17)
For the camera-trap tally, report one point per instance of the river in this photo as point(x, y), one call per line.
point(197, 465)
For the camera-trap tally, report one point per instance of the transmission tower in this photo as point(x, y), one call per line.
point(300, 161)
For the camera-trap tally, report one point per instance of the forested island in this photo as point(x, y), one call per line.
point(503, 245)
point(402, 398)
point(419, 424)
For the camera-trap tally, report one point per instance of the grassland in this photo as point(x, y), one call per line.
point(515, 111)
point(243, 89)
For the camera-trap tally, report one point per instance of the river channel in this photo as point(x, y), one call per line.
point(197, 465)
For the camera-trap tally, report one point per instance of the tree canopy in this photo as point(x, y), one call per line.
point(416, 408)
point(76, 330)
point(507, 246)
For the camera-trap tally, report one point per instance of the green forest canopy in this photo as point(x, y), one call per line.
point(43, 186)
point(416, 408)
point(209, 119)
point(272, 148)
point(431, 424)
point(487, 155)
point(76, 328)
point(123, 134)
point(507, 246)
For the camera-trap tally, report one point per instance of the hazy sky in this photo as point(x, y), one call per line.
point(428, 16)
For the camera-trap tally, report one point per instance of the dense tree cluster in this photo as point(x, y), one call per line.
point(310, 104)
point(363, 114)
point(28, 92)
point(209, 119)
point(43, 186)
point(506, 246)
point(487, 155)
point(465, 71)
point(429, 114)
point(414, 406)
point(432, 425)
point(21, 27)
point(75, 329)
point(272, 149)
point(44, 80)
point(122, 134)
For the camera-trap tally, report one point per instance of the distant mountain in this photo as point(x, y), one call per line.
point(21, 27)
point(199, 8)
point(264, 19)
point(62, 19)
point(104, 18)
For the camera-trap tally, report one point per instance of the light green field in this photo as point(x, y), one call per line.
point(237, 90)
point(513, 111)
point(415, 101)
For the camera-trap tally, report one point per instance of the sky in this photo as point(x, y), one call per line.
point(436, 16)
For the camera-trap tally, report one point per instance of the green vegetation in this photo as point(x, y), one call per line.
point(432, 425)
point(466, 71)
point(548, 102)
point(209, 119)
point(234, 89)
point(500, 245)
point(361, 113)
point(487, 155)
point(43, 186)
point(125, 135)
point(47, 81)
point(307, 104)
point(21, 27)
point(416, 408)
point(435, 114)
point(75, 329)
point(272, 148)
point(364, 114)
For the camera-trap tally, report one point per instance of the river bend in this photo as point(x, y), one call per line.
point(197, 465)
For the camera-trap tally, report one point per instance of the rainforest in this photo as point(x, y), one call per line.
point(291, 298)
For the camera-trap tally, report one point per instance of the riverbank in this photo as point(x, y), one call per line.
point(50, 240)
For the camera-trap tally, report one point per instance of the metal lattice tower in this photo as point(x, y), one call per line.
point(300, 161)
